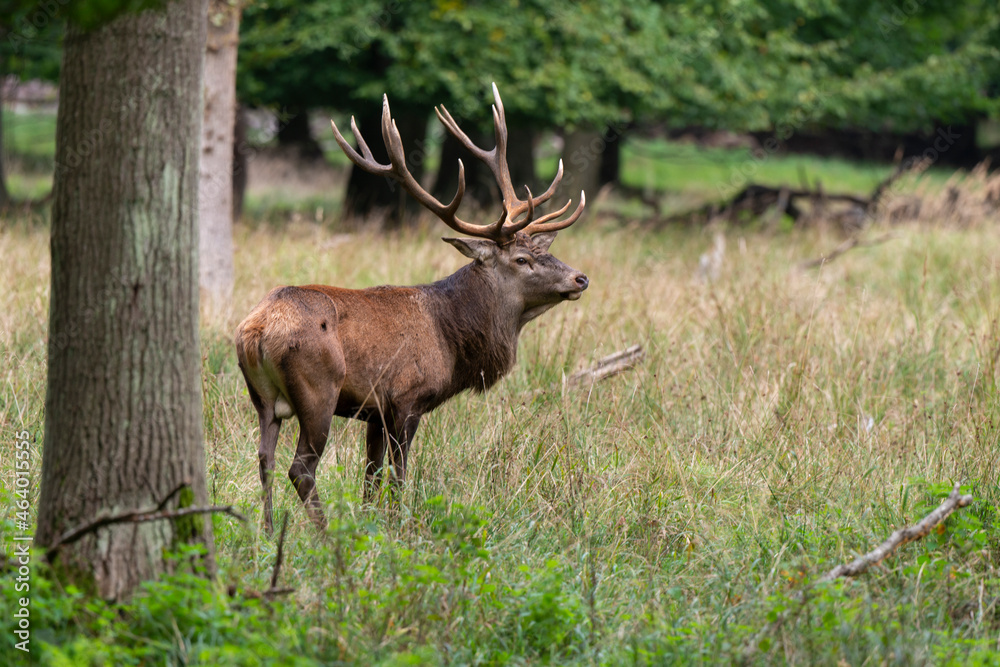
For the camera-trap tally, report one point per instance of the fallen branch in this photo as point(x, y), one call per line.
point(861, 564)
point(755, 200)
point(853, 242)
point(922, 528)
point(75, 534)
point(614, 364)
point(273, 590)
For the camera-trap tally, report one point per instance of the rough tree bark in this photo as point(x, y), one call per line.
point(369, 196)
point(215, 187)
point(123, 398)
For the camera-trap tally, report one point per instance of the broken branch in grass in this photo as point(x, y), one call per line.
point(281, 551)
point(614, 364)
point(853, 242)
point(922, 528)
point(75, 534)
point(861, 564)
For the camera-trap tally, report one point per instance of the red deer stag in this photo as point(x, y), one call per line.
point(389, 355)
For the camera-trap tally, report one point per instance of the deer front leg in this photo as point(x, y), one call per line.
point(388, 432)
point(375, 449)
point(399, 447)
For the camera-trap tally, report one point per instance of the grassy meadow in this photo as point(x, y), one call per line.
point(783, 421)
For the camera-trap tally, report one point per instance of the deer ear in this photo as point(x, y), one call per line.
point(543, 241)
point(479, 249)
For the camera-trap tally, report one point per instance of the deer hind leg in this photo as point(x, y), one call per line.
point(314, 429)
point(269, 428)
point(314, 392)
point(399, 446)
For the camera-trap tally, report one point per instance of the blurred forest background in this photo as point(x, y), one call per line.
point(611, 87)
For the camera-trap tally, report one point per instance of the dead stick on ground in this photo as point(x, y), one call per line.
point(79, 532)
point(853, 242)
point(280, 555)
point(861, 564)
point(954, 501)
point(614, 364)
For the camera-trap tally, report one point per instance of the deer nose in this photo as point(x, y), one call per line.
point(582, 281)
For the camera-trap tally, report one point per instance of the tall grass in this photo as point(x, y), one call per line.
point(784, 420)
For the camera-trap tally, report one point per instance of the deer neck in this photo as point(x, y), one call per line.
point(480, 325)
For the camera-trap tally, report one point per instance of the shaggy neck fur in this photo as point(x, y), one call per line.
point(479, 325)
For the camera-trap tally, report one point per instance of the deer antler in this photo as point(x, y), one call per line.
point(496, 159)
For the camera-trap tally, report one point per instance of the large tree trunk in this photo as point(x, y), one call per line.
point(123, 422)
point(521, 159)
point(215, 193)
point(372, 198)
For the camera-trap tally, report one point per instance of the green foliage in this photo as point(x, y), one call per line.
point(749, 65)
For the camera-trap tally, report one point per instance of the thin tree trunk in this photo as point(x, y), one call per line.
point(123, 422)
point(241, 160)
point(4, 194)
point(215, 194)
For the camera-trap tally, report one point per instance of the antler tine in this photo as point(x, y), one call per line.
point(446, 119)
point(365, 161)
point(396, 169)
point(543, 225)
point(545, 196)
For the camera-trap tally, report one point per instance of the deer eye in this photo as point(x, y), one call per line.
point(521, 260)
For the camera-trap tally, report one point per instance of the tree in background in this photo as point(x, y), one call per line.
point(123, 422)
point(593, 69)
point(29, 49)
point(215, 192)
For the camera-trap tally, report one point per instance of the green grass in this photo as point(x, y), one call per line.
point(783, 421)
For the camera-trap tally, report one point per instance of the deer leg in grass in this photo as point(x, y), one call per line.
point(375, 449)
point(314, 425)
point(269, 427)
point(399, 448)
point(390, 433)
